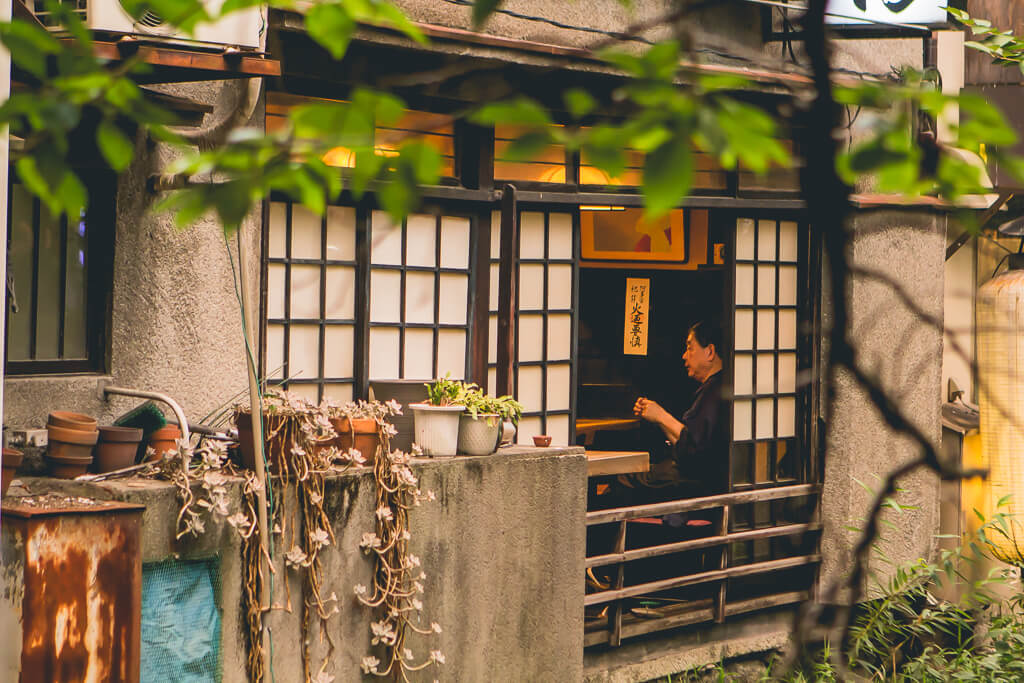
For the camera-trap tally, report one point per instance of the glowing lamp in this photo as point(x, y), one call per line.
point(1000, 333)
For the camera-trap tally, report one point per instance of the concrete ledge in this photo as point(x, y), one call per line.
point(658, 656)
point(503, 549)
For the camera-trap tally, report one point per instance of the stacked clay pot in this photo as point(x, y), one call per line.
point(163, 440)
point(117, 448)
point(71, 438)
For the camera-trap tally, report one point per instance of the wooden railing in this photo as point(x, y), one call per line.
point(715, 605)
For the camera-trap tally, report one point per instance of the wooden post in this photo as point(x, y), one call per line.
point(722, 564)
point(615, 615)
point(507, 282)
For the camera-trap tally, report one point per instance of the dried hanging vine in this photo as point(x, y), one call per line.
point(398, 575)
point(303, 446)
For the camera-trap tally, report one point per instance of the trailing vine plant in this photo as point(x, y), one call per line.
point(303, 446)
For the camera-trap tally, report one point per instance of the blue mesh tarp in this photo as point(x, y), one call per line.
point(180, 622)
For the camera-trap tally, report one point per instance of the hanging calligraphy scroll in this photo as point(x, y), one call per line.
point(638, 295)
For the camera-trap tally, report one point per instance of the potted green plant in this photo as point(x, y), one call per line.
point(436, 422)
point(481, 425)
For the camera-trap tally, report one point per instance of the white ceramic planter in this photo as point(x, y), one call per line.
point(479, 435)
point(437, 428)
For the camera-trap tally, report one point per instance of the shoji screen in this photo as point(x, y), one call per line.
point(765, 359)
point(311, 300)
point(544, 313)
point(419, 296)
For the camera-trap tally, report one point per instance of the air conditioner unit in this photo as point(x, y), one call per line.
point(241, 28)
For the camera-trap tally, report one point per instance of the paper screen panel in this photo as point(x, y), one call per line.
point(531, 338)
point(384, 353)
point(453, 299)
point(560, 236)
point(744, 284)
point(338, 391)
point(529, 388)
point(385, 240)
point(306, 233)
point(558, 429)
point(788, 241)
point(492, 338)
point(741, 420)
point(744, 330)
point(765, 373)
point(745, 239)
point(341, 233)
point(766, 240)
point(420, 240)
point(304, 351)
point(765, 329)
point(274, 359)
point(385, 296)
point(529, 427)
point(451, 353)
point(787, 417)
point(531, 287)
point(341, 293)
point(338, 350)
point(558, 386)
point(559, 287)
point(765, 419)
point(305, 292)
point(559, 336)
point(766, 285)
point(275, 290)
point(743, 374)
point(787, 373)
point(419, 354)
point(531, 235)
point(454, 242)
point(419, 297)
point(310, 392)
point(277, 230)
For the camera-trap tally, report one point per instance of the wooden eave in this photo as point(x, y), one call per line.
point(180, 64)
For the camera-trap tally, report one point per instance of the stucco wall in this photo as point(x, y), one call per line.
point(502, 547)
point(905, 353)
point(176, 325)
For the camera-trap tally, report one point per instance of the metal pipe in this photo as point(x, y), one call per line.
point(186, 435)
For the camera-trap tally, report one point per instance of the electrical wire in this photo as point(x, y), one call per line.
point(558, 24)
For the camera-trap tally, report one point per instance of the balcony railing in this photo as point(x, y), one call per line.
point(710, 577)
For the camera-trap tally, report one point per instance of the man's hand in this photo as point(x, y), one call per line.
point(649, 410)
point(652, 412)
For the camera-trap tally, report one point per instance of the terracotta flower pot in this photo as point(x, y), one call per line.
point(68, 420)
point(359, 433)
point(163, 440)
point(117, 448)
point(12, 461)
point(70, 442)
point(67, 466)
point(246, 451)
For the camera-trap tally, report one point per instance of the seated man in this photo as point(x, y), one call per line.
point(699, 438)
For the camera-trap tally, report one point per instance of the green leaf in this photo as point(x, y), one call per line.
point(117, 149)
point(579, 102)
point(527, 146)
point(521, 111)
point(330, 26)
point(72, 195)
point(668, 176)
point(482, 10)
point(423, 160)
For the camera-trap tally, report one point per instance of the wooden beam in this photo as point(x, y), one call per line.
point(507, 282)
point(703, 577)
point(705, 503)
point(700, 543)
point(223, 64)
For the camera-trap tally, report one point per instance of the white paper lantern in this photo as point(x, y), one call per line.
point(1000, 338)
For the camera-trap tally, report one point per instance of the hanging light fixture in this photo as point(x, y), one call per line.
point(1000, 335)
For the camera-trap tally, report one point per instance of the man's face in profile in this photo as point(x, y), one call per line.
point(697, 358)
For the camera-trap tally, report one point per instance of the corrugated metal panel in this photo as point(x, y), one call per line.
point(83, 590)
